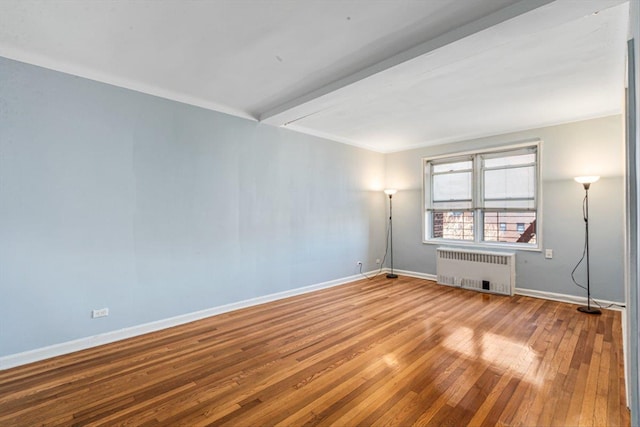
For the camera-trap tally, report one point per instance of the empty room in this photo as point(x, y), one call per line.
point(322, 212)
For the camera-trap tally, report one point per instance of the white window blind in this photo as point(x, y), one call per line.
point(452, 185)
point(509, 180)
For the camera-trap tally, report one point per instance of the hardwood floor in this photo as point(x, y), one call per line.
point(375, 353)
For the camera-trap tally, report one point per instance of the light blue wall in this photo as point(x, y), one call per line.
point(112, 198)
point(581, 148)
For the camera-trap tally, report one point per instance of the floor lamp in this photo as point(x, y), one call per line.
point(586, 181)
point(390, 192)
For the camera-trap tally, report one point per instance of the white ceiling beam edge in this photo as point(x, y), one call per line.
point(309, 104)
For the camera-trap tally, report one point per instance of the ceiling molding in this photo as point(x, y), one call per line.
point(111, 79)
point(483, 135)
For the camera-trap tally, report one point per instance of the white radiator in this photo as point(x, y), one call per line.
point(478, 270)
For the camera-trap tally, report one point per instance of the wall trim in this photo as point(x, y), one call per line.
point(571, 299)
point(415, 274)
point(38, 354)
point(43, 61)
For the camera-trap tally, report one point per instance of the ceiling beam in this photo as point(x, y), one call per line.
point(317, 100)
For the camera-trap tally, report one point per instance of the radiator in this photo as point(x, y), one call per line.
point(478, 270)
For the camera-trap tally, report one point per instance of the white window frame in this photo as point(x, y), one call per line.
point(477, 190)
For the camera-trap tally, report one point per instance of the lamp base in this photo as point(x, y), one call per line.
point(589, 310)
point(392, 276)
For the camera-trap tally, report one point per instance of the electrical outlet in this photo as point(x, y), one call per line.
point(101, 312)
point(377, 260)
point(548, 253)
point(359, 263)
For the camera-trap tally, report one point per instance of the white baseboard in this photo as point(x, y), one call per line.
point(571, 299)
point(38, 354)
point(416, 274)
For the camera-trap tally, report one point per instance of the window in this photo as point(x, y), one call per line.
point(485, 197)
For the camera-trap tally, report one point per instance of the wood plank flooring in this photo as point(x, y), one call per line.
point(372, 353)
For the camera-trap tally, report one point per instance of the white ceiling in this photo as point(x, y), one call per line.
point(387, 75)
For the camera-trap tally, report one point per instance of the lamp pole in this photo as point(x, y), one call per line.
point(390, 193)
point(586, 182)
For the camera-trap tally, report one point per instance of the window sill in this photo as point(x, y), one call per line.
point(484, 245)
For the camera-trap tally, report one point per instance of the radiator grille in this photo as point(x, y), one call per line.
point(479, 270)
point(484, 258)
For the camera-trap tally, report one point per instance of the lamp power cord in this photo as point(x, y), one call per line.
point(386, 250)
point(584, 254)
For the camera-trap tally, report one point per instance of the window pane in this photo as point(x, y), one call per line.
point(450, 167)
point(452, 186)
point(456, 225)
point(510, 183)
point(524, 159)
point(510, 227)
